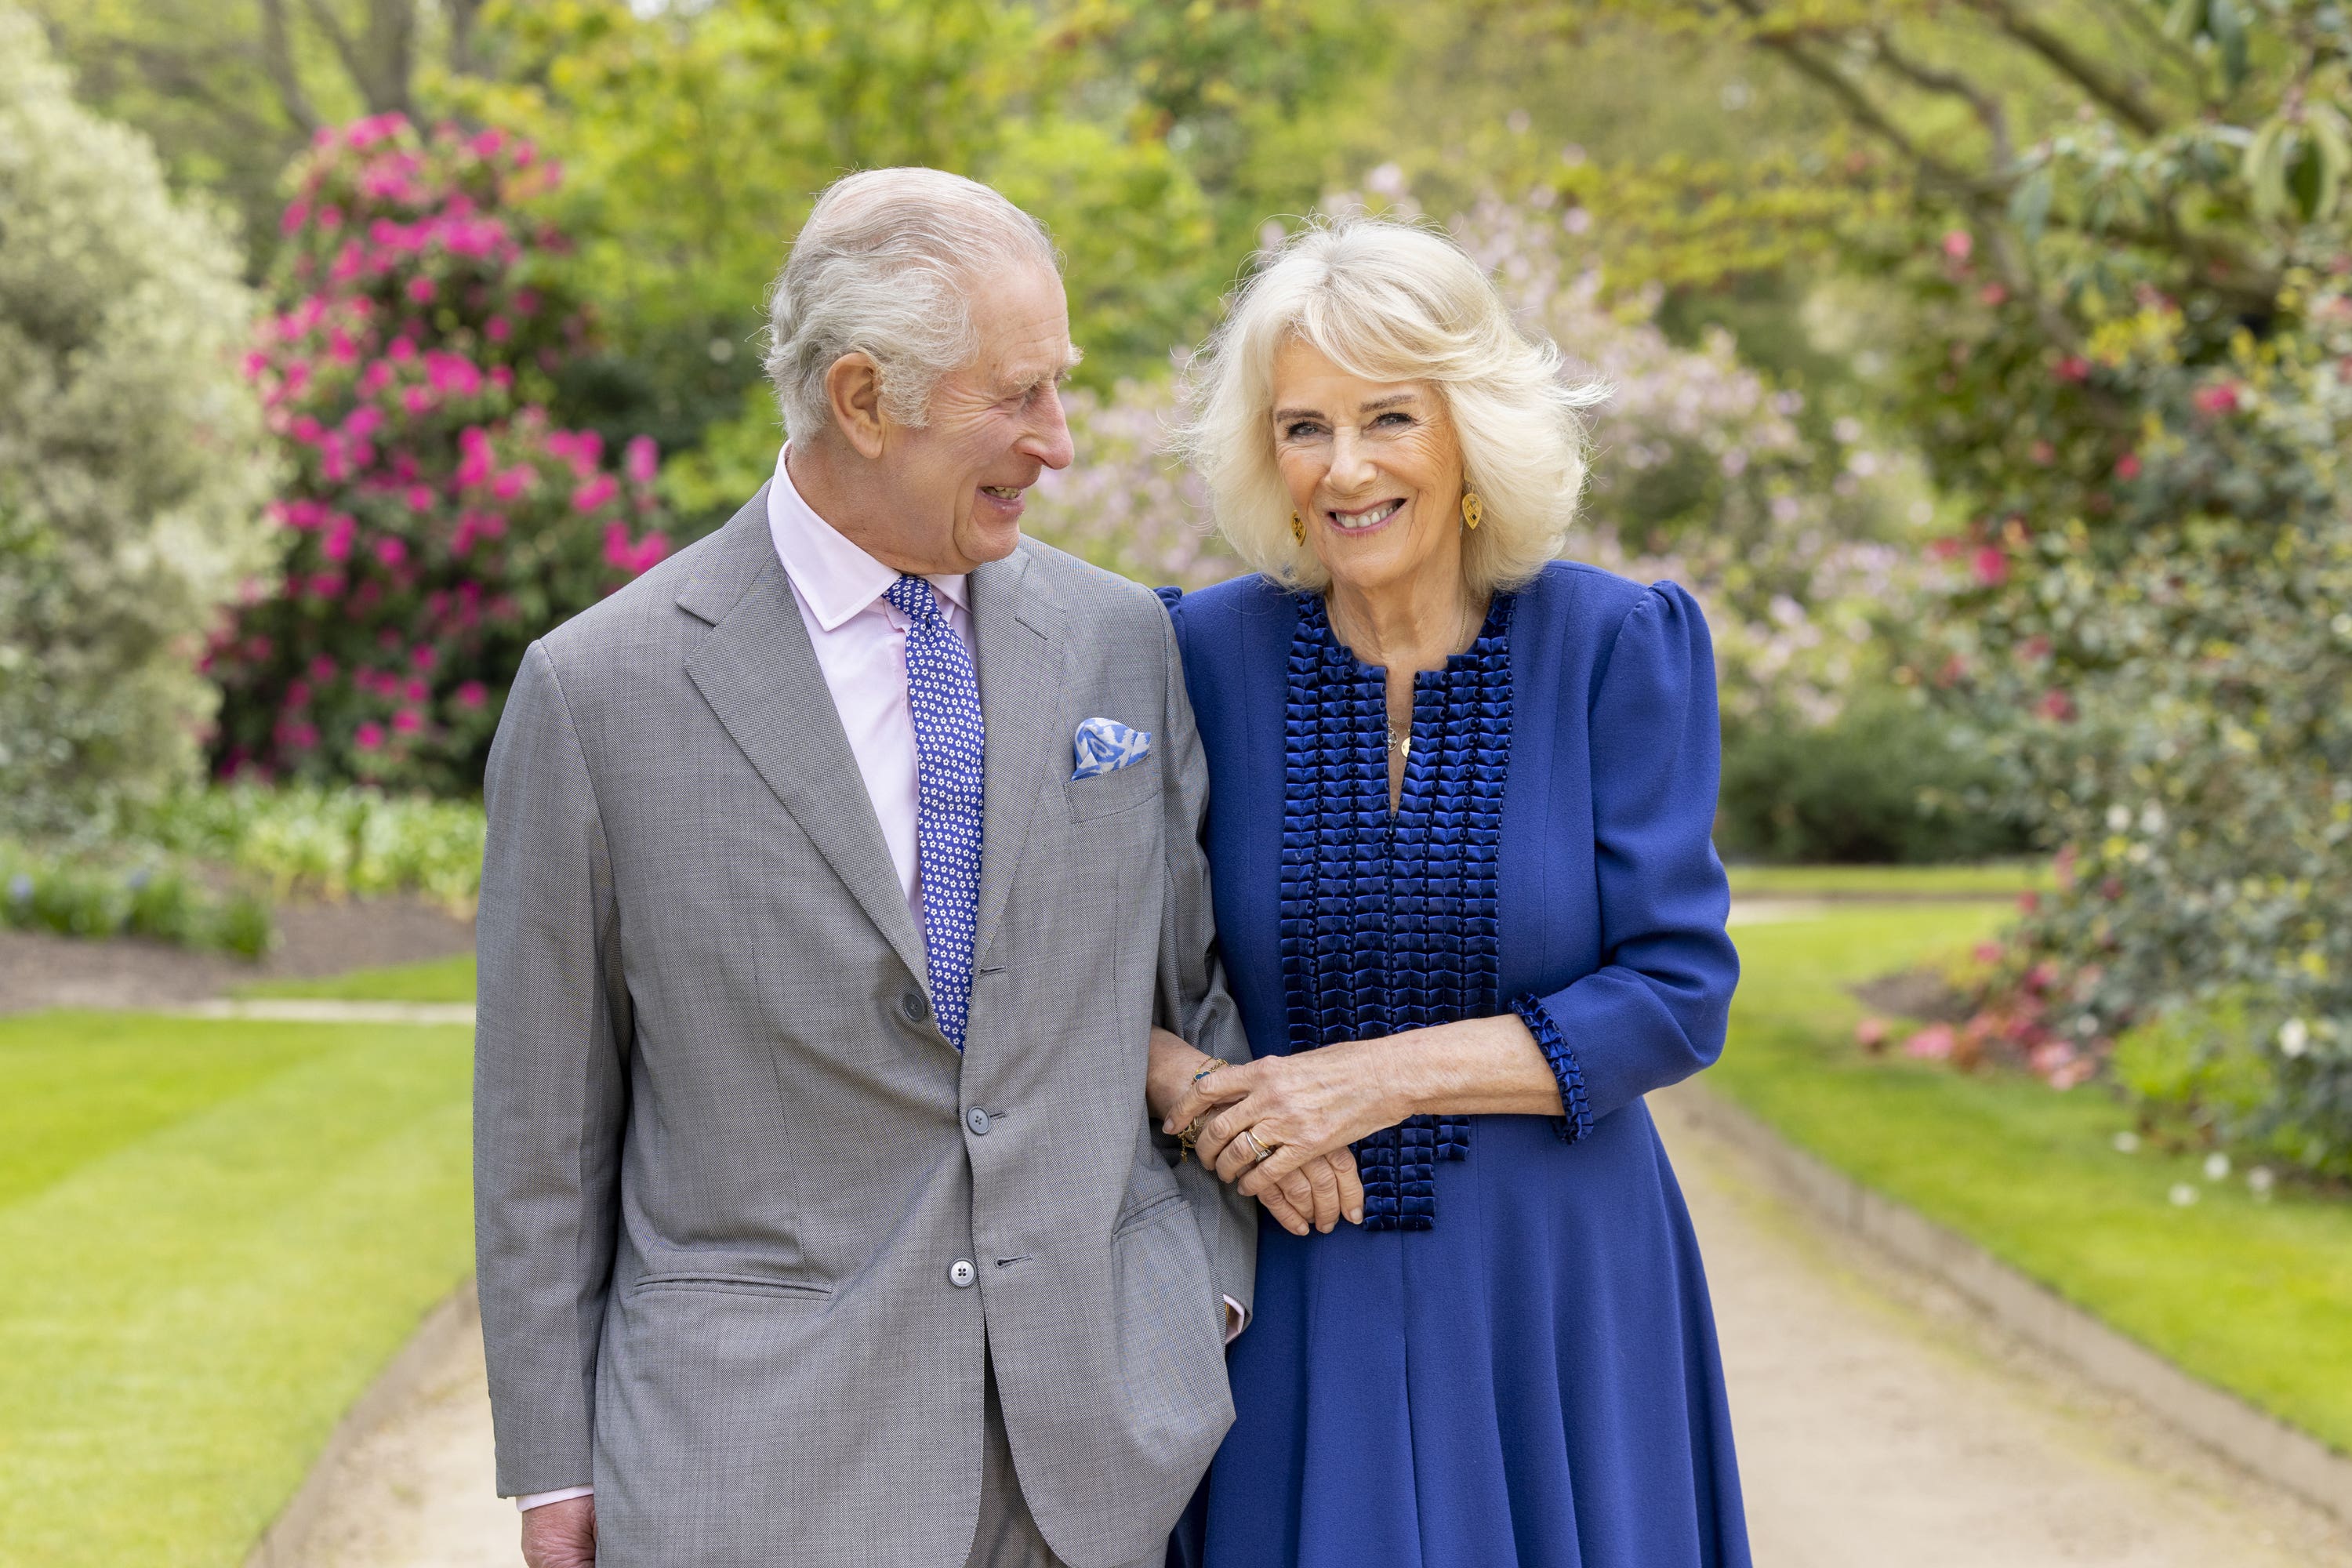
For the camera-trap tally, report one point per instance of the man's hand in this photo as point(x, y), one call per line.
point(560, 1534)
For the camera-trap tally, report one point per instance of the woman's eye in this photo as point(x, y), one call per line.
point(1393, 419)
point(1300, 430)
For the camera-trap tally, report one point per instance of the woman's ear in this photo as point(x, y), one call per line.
point(853, 391)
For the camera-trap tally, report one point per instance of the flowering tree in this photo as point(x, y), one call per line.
point(438, 519)
point(132, 461)
point(1701, 473)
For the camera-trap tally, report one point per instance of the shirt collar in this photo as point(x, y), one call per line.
point(836, 578)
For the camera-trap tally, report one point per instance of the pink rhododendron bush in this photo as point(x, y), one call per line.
point(438, 518)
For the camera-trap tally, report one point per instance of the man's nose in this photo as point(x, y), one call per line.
point(1049, 439)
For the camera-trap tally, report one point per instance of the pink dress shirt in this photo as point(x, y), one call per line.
point(860, 640)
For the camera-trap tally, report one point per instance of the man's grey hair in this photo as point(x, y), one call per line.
point(886, 266)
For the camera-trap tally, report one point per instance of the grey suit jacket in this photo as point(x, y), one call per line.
point(725, 1161)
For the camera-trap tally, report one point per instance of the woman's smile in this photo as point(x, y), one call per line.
point(1365, 519)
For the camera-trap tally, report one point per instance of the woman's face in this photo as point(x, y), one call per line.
point(1373, 469)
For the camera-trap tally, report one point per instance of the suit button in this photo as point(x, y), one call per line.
point(977, 1120)
point(960, 1273)
point(913, 1006)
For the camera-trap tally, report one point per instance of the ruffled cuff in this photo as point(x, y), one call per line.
point(1579, 1119)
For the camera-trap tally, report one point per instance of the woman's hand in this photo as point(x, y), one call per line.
point(1303, 1107)
point(1316, 1196)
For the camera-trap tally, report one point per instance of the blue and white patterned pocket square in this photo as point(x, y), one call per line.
point(1106, 746)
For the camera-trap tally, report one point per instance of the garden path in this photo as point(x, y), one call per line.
point(1879, 1421)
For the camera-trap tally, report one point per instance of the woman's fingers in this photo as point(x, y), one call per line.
point(1351, 1184)
point(1217, 1132)
point(1289, 1219)
point(1238, 1157)
point(1221, 1147)
point(1324, 1184)
point(1298, 1192)
point(1221, 1087)
point(1255, 1177)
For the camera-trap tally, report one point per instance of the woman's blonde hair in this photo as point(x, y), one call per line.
point(1390, 302)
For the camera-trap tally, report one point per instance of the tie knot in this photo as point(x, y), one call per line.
point(915, 599)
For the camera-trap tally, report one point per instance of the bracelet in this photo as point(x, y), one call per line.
point(1190, 1137)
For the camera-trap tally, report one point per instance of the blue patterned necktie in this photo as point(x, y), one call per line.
point(950, 741)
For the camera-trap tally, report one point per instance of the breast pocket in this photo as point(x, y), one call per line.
point(1108, 795)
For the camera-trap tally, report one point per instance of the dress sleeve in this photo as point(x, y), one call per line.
point(1655, 1010)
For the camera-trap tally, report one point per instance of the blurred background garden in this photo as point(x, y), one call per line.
point(1983, 366)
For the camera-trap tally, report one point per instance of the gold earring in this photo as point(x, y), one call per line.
point(1471, 511)
point(1297, 530)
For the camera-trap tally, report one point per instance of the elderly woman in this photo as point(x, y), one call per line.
point(1460, 801)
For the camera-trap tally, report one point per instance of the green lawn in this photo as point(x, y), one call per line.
point(1994, 879)
point(2256, 1297)
point(215, 1235)
point(435, 980)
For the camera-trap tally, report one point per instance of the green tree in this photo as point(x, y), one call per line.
point(2123, 244)
point(232, 92)
point(132, 462)
point(696, 140)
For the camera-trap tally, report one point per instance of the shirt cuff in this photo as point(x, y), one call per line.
point(529, 1501)
point(1236, 1320)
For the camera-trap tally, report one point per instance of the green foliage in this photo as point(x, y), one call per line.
point(696, 138)
point(136, 892)
point(133, 464)
point(1886, 780)
point(2125, 262)
point(2196, 1070)
point(230, 93)
point(1992, 881)
point(327, 843)
point(217, 1234)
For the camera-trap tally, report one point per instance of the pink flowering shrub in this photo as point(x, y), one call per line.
point(436, 518)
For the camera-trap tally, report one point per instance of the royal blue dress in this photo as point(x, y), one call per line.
point(1513, 1361)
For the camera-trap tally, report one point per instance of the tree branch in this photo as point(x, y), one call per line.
point(1934, 79)
point(278, 62)
point(354, 67)
point(1789, 44)
point(392, 52)
point(463, 14)
point(2070, 62)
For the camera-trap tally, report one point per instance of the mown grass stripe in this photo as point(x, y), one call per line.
point(185, 1316)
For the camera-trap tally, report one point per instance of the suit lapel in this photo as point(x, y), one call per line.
point(1020, 661)
point(761, 677)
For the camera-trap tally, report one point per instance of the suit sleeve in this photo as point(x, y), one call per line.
point(1193, 1001)
point(1656, 1010)
point(551, 1089)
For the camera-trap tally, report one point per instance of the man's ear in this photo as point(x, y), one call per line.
point(853, 391)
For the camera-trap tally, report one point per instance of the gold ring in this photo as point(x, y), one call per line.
point(1265, 1151)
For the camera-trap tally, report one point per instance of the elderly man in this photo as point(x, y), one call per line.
point(839, 870)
